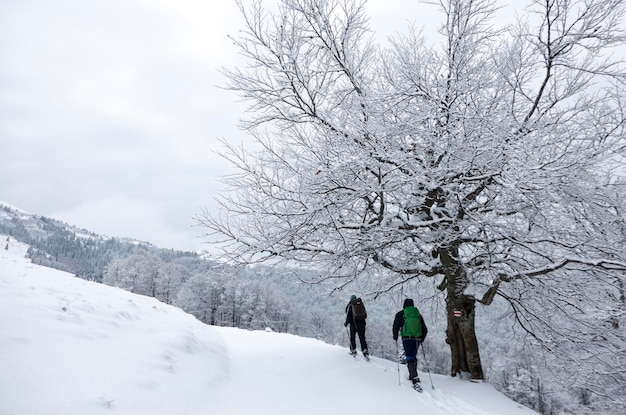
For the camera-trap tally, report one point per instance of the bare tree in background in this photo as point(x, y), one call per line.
point(489, 162)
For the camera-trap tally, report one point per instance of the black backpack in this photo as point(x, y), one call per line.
point(358, 309)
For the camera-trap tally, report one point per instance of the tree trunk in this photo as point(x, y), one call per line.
point(461, 335)
point(461, 331)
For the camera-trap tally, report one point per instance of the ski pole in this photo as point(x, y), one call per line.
point(350, 341)
point(427, 369)
point(398, 363)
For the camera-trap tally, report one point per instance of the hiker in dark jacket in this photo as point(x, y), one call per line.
point(413, 335)
point(355, 317)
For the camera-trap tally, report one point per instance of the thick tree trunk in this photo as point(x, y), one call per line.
point(461, 331)
point(457, 348)
point(461, 335)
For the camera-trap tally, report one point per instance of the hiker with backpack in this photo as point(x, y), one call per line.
point(355, 317)
point(409, 324)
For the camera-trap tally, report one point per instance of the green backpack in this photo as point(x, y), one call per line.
point(412, 323)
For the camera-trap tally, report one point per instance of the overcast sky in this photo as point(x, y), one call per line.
point(110, 110)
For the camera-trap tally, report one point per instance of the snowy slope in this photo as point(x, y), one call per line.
point(69, 346)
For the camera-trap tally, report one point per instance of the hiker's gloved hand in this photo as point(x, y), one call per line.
point(395, 338)
point(345, 324)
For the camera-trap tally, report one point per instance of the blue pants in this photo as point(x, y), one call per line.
point(411, 346)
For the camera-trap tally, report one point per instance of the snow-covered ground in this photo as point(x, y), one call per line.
point(69, 346)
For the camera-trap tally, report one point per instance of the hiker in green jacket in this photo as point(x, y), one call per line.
point(409, 324)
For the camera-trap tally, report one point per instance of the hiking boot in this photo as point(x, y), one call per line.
point(353, 352)
point(365, 353)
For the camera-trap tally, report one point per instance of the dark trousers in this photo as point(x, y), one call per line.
point(411, 346)
point(357, 327)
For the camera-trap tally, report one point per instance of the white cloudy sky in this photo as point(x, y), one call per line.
point(110, 110)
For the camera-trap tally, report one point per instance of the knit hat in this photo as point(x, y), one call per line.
point(352, 297)
point(408, 303)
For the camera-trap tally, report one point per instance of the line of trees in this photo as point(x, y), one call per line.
point(218, 296)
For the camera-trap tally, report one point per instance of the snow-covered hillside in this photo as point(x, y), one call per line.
point(70, 346)
point(10, 206)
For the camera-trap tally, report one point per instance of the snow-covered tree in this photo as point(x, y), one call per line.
point(138, 273)
point(200, 297)
point(490, 161)
point(172, 277)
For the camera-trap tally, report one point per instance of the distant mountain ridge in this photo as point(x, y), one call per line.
point(15, 208)
point(62, 246)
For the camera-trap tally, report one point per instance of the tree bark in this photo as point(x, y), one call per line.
point(460, 310)
point(461, 335)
